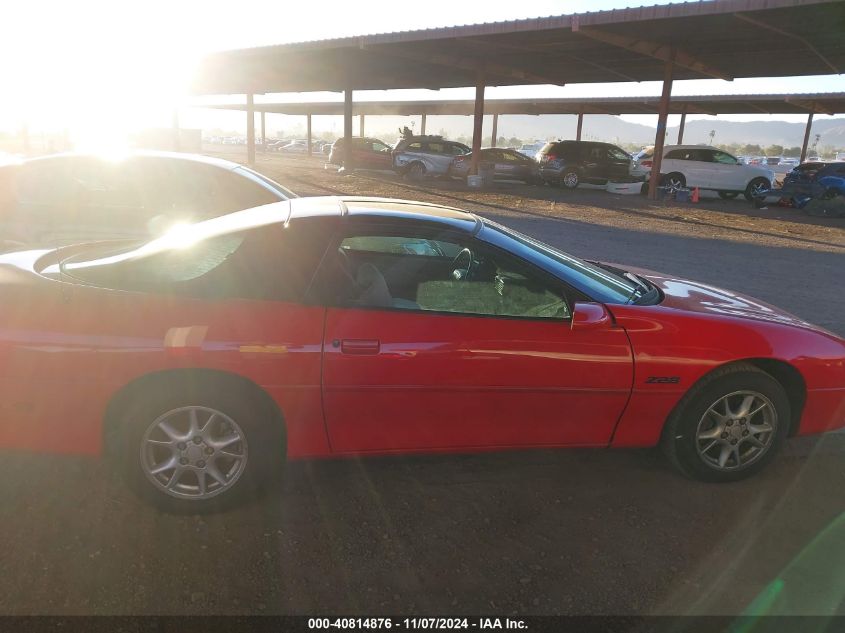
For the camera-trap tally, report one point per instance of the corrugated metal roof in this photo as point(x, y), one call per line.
point(727, 38)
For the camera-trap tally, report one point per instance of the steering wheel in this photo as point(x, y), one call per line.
point(462, 265)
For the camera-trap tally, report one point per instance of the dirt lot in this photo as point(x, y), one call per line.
point(541, 532)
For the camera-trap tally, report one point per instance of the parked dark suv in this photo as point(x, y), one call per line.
point(570, 163)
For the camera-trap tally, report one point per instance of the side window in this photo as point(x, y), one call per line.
point(596, 153)
point(513, 158)
point(436, 148)
point(437, 273)
point(456, 150)
point(380, 147)
point(414, 147)
point(617, 154)
point(701, 155)
point(398, 245)
point(677, 154)
point(723, 158)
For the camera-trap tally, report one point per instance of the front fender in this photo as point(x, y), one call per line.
point(673, 350)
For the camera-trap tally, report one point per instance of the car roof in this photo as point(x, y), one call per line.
point(194, 158)
point(699, 146)
point(372, 207)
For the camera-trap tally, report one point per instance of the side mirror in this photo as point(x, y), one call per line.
point(590, 316)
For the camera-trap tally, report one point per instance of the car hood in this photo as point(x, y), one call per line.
point(694, 296)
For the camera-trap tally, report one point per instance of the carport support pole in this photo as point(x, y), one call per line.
point(263, 133)
point(477, 122)
point(580, 125)
point(806, 136)
point(250, 130)
point(347, 129)
point(495, 129)
point(308, 129)
point(660, 135)
point(681, 126)
point(422, 125)
point(361, 125)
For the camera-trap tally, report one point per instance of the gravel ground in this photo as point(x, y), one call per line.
point(543, 532)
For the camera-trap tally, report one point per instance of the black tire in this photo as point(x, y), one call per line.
point(754, 187)
point(264, 447)
point(570, 179)
point(415, 171)
point(728, 195)
point(674, 180)
point(680, 441)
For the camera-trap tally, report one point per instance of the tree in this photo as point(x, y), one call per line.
point(792, 151)
point(751, 149)
point(774, 150)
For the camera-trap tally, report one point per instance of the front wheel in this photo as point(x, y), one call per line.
point(756, 188)
point(193, 449)
point(729, 427)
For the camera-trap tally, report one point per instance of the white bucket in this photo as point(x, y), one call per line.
point(475, 182)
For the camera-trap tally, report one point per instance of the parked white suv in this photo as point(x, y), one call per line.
point(706, 167)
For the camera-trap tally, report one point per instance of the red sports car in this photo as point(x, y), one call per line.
point(328, 326)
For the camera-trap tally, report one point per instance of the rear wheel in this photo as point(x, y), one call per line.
point(674, 181)
point(728, 427)
point(190, 448)
point(756, 188)
point(415, 172)
point(570, 179)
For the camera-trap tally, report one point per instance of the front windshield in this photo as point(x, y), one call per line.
point(596, 282)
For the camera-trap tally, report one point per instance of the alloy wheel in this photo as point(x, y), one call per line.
point(193, 452)
point(736, 430)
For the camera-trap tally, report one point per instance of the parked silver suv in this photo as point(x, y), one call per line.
point(420, 155)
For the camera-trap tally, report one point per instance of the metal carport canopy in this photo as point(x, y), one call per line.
point(723, 39)
point(818, 103)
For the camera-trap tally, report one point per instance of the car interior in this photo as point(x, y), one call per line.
point(398, 272)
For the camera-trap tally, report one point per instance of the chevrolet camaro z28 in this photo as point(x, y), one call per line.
point(318, 327)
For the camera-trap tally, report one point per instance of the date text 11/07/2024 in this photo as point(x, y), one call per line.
point(356, 624)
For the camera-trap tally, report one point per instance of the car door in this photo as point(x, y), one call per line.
point(478, 351)
point(726, 172)
point(693, 163)
point(501, 167)
point(593, 161)
point(381, 155)
point(618, 163)
point(515, 166)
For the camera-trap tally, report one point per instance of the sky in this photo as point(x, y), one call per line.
point(101, 67)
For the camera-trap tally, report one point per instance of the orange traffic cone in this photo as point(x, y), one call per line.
point(695, 194)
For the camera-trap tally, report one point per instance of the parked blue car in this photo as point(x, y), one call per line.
point(817, 188)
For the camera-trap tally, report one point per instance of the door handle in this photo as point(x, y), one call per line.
point(359, 346)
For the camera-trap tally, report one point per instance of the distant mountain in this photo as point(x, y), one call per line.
point(763, 132)
point(616, 130)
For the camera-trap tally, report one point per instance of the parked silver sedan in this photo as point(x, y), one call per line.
point(508, 164)
point(419, 156)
